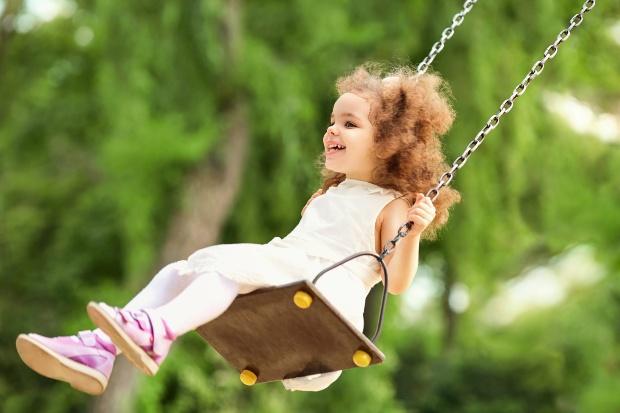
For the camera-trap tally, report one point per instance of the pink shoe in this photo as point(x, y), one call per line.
point(141, 335)
point(83, 360)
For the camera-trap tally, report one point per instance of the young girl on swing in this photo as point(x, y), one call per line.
point(381, 152)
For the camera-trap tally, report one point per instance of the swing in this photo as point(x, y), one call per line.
point(305, 333)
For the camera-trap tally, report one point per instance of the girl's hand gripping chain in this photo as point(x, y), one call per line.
point(421, 213)
point(314, 195)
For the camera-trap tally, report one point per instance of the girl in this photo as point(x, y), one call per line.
point(381, 151)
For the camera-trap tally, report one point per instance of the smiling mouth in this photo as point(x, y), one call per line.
point(335, 148)
point(332, 152)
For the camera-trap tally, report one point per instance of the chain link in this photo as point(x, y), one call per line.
point(445, 36)
point(494, 120)
point(446, 178)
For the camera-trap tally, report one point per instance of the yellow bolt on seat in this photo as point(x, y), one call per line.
point(302, 299)
point(361, 358)
point(248, 377)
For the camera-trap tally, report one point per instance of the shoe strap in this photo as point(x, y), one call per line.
point(141, 325)
point(162, 337)
point(159, 337)
point(87, 337)
point(135, 317)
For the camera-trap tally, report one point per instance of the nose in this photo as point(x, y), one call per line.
point(331, 129)
point(328, 133)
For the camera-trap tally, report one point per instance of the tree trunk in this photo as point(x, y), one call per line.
point(209, 195)
point(7, 24)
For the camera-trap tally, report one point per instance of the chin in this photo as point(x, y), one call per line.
point(338, 170)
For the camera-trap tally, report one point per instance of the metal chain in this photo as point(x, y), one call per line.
point(445, 36)
point(422, 67)
point(491, 124)
point(493, 121)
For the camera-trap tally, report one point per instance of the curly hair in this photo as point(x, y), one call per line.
point(408, 111)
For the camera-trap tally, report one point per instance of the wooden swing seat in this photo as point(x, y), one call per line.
point(288, 331)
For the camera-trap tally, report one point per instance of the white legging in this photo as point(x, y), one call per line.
point(184, 298)
point(187, 300)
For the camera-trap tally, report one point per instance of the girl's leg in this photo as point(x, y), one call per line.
point(163, 287)
point(146, 334)
point(86, 360)
point(207, 297)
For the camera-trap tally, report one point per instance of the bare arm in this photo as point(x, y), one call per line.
point(402, 262)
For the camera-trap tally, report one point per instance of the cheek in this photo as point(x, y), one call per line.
point(362, 152)
point(369, 145)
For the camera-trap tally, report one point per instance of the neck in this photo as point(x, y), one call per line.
point(358, 178)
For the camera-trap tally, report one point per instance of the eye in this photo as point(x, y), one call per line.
point(347, 122)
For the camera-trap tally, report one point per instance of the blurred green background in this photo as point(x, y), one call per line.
point(135, 132)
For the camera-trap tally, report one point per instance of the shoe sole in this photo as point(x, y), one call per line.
point(49, 363)
point(131, 350)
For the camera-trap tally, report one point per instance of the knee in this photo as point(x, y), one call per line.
point(202, 259)
point(227, 284)
point(175, 272)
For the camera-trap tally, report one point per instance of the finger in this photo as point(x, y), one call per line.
point(427, 202)
point(416, 216)
point(424, 200)
point(420, 222)
point(423, 216)
point(426, 213)
point(423, 207)
point(427, 209)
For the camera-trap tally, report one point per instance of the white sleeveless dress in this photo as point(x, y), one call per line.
point(335, 225)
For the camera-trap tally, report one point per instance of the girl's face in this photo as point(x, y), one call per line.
point(350, 128)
